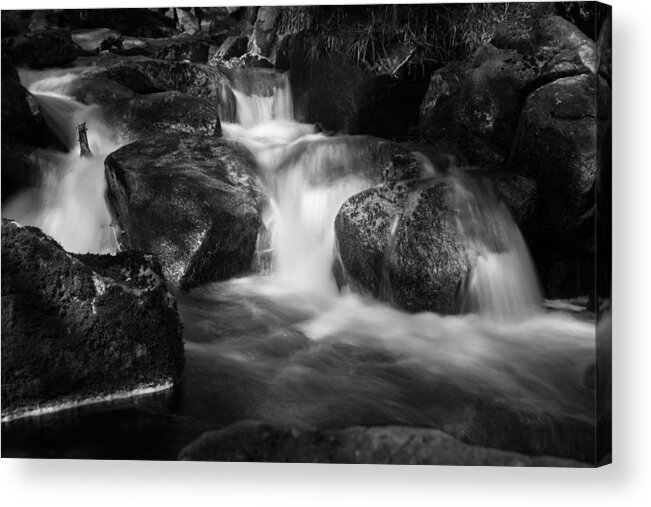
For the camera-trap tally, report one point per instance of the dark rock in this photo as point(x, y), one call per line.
point(134, 22)
point(91, 90)
point(475, 105)
point(22, 164)
point(264, 31)
point(166, 112)
point(191, 200)
point(390, 445)
point(521, 197)
point(81, 327)
point(47, 48)
point(401, 243)
point(343, 97)
point(21, 115)
point(150, 76)
point(233, 47)
point(14, 22)
point(556, 145)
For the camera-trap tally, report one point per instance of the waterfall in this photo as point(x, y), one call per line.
point(69, 204)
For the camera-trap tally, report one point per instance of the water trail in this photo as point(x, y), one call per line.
point(69, 204)
point(503, 282)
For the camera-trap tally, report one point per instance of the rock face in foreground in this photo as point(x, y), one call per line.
point(390, 445)
point(401, 243)
point(78, 327)
point(191, 200)
point(166, 112)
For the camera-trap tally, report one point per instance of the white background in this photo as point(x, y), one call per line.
point(627, 482)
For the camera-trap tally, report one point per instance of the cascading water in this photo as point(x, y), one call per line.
point(69, 204)
point(287, 346)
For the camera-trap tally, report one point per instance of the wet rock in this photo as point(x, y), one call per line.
point(187, 20)
point(144, 75)
point(475, 105)
point(46, 48)
point(191, 200)
point(400, 242)
point(521, 196)
point(81, 327)
point(90, 90)
point(233, 47)
point(390, 445)
point(166, 112)
point(190, 50)
point(605, 51)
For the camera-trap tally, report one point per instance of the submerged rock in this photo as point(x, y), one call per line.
point(77, 328)
point(43, 48)
point(191, 200)
point(401, 243)
point(389, 445)
point(165, 112)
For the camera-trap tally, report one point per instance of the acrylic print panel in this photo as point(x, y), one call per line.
point(340, 234)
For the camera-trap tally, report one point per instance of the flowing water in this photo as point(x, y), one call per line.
point(288, 345)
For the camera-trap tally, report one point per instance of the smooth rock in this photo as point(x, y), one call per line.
point(191, 200)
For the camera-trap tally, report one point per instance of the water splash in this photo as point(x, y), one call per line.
point(69, 204)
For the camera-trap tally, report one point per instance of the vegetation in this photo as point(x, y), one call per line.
point(433, 33)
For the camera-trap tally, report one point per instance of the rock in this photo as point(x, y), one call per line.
point(233, 47)
point(22, 164)
point(187, 21)
point(390, 445)
point(474, 106)
point(46, 48)
point(556, 145)
point(14, 22)
point(77, 328)
point(91, 90)
point(345, 98)
point(21, 115)
point(189, 50)
point(264, 31)
point(165, 112)
point(400, 242)
point(144, 75)
point(134, 22)
point(191, 200)
point(521, 197)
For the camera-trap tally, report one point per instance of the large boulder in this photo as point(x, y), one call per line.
point(166, 112)
point(191, 200)
point(264, 30)
point(145, 75)
point(474, 106)
point(401, 243)
point(388, 445)
point(556, 144)
point(78, 328)
point(44, 48)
